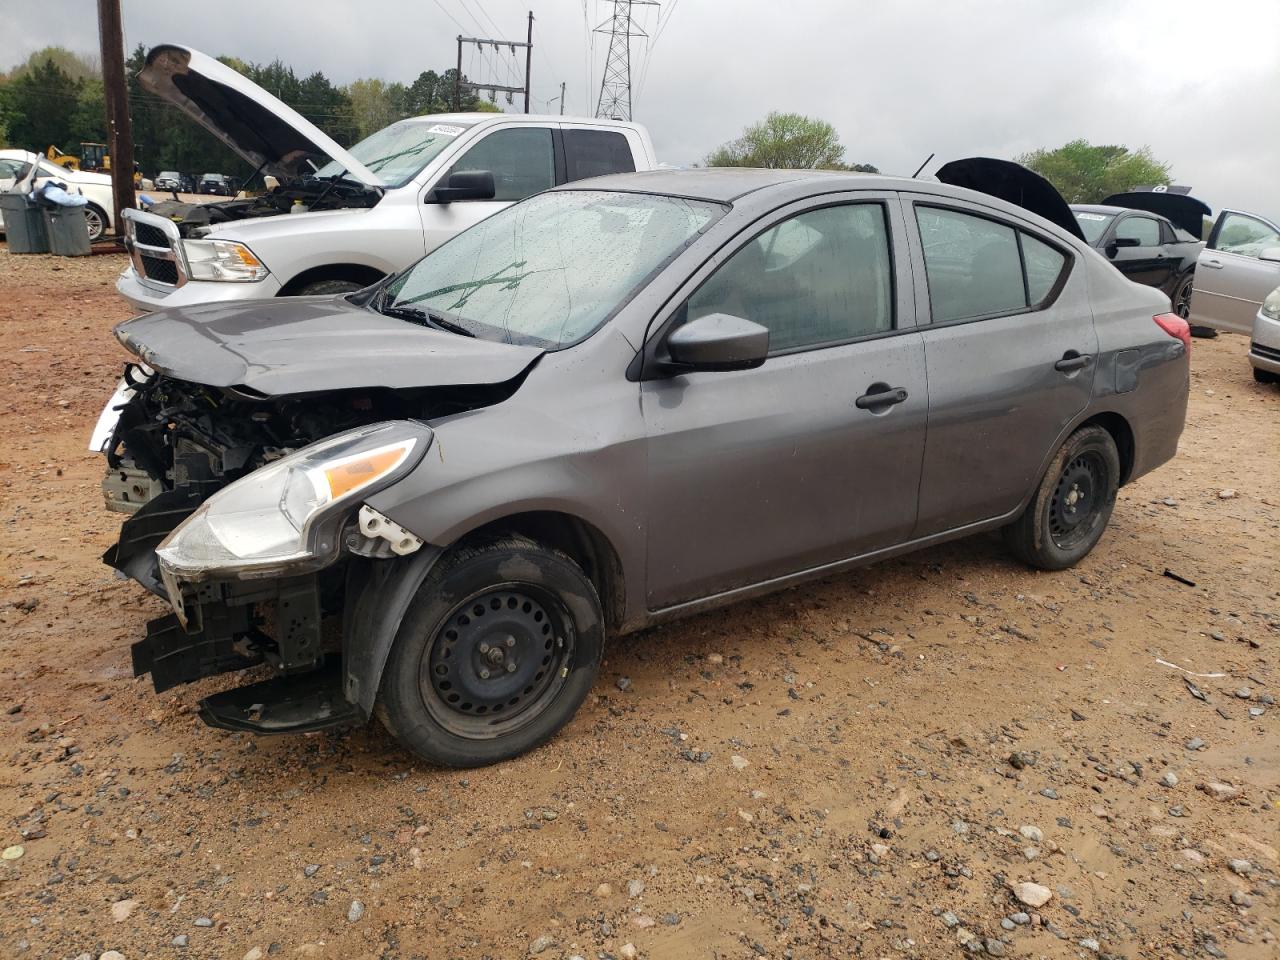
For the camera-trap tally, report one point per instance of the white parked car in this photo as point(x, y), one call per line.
point(15, 165)
point(338, 219)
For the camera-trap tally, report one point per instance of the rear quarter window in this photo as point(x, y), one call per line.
point(596, 153)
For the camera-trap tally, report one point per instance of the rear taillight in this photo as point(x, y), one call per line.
point(1175, 326)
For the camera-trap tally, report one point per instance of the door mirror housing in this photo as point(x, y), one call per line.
point(1271, 254)
point(465, 185)
point(1115, 243)
point(718, 341)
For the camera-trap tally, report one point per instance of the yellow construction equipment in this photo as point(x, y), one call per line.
point(94, 156)
point(67, 160)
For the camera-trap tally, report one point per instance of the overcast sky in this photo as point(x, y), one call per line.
point(1196, 80)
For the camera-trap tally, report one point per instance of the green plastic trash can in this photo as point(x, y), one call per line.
point(68, 232)
point(24, 228)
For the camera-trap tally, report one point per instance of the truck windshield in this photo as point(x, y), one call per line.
point(549, 271)
point(396, 153)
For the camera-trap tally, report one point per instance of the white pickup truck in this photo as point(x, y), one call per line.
point(339, 220)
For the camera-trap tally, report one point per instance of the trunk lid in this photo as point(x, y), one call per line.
point(1173, 203)
point(1013, 183)
point(253, 123)
point(311, 344)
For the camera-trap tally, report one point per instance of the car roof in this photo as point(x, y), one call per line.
point(477, 117)
point(717, 184)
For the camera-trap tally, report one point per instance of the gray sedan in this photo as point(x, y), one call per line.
point(613, 404)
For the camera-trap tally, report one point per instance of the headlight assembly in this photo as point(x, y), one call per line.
point(222, 260)
point(286, 516)
point(1271, 305)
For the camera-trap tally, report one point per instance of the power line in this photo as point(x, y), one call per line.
point(615, 83)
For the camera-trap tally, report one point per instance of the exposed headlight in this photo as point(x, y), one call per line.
point(1271, 305)
point(287, 515)
point(222, 260)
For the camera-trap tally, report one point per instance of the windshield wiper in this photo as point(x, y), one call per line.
point(430, 318)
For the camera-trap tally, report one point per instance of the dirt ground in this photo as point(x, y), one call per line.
point(863, 767)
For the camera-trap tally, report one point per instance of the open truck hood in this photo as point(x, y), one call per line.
point(1182, 211)
point(309, 344)
point(253, 123)
point(1014, 183)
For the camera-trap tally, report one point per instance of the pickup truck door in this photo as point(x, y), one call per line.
point(522, 161)
point(1235, 271)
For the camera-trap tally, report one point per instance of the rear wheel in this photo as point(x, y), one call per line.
point(499, 648)
point(1182, 296)
point(1072, 505)
point(96, 220)
point(1265, 376)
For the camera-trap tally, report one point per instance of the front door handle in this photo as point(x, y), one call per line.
point(1073, 361)
point(1213, 264)
point(880, 395)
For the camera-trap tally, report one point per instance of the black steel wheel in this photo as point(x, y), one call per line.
point(1072, 505)
point(497, 660)
point(499, 647)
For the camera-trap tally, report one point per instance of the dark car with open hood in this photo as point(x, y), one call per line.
point(615, 403)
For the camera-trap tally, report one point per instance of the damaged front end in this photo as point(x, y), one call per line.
point(246, 515)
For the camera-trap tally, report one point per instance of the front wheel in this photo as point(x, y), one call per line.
point(1265, 376)
point(329, 288)
point(497, 651)
point(1072, 505)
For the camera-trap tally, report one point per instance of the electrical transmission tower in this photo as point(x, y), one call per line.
point(615, 85)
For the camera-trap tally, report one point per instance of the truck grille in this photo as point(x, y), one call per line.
point(155, 248)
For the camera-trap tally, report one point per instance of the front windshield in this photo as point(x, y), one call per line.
point(549, 271)
point(396, 153)
point(1093, 225)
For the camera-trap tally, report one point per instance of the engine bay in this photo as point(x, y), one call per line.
point(194, 219)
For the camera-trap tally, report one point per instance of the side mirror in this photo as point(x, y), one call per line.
point(1270, 253)
point(717, 341)
point(465, 185)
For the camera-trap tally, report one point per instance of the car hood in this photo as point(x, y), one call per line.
point(1182, 211)
point(310, 344)
point(253, 123)
point(1013, 183)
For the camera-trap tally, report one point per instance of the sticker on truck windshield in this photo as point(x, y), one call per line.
point(1080, 215)
point(444, 128)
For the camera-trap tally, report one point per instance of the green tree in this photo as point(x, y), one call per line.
point(784, 141)
point(1084, 173)
point(42, 101)
point(371, 105)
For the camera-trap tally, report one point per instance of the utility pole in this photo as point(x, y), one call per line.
point(459, 83)
point(562, 98)
point(615, 84)
point(528, 63)
point(115, 88)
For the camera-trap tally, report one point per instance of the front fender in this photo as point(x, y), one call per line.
point(378, 594)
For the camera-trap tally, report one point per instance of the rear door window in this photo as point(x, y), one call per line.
point(977, 267)
point(596, 153)
point(520, 158)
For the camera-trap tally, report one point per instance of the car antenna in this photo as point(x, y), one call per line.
point(922, 166)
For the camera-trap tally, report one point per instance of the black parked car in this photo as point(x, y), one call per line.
point(215, 183)
point(1151, 237)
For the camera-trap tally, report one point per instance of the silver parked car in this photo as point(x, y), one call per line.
point(615, 403)
point(1238, 267)
point(1264, 345)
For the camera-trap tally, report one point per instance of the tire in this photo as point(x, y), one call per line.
point(328, 287)
point(1055, 532)
point(497, 651)
point(1265, 376)
point(1181, 299)
point(95, 219)
point(1203, 333)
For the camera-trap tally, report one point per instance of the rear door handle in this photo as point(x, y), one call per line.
point(880, 395)
point(1213, 264)
point(1073, 361)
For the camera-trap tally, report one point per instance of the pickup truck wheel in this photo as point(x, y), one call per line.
point(499, 648)
point(1072, 505)
point(328, 287)
point(1265, 376)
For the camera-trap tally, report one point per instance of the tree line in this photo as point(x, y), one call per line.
point(55, 97)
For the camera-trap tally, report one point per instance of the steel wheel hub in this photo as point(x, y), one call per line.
point(498, 654)
point(1075, 500)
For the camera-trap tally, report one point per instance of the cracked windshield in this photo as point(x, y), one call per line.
point(548, 271)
